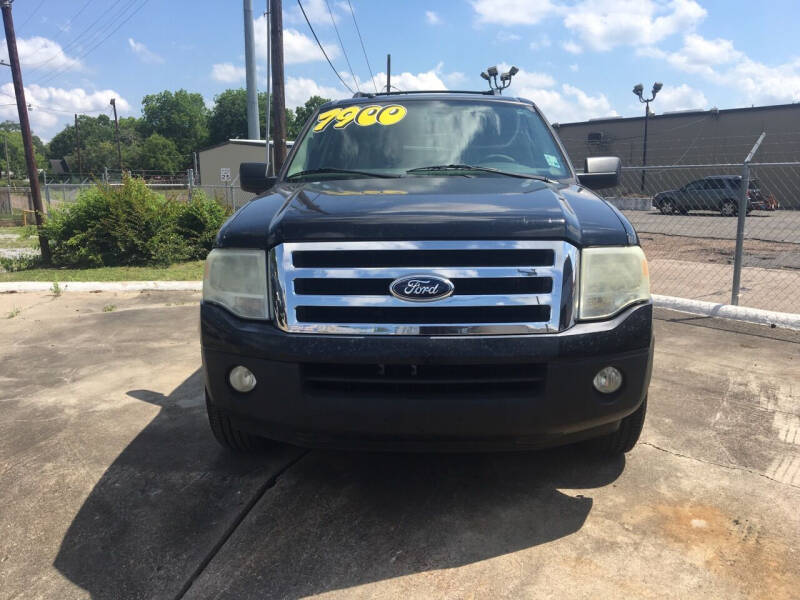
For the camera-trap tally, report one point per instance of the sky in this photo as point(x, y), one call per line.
point(578, 59)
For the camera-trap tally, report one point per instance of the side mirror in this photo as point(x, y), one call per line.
point(600, 172)
point(253, 177)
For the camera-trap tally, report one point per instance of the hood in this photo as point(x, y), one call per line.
point(425, 208)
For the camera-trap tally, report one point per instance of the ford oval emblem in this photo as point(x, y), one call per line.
point(421, 288)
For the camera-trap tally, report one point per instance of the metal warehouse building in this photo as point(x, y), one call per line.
point(714, 141)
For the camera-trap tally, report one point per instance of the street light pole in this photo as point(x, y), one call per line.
point(638, 89)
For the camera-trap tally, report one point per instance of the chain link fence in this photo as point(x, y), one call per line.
point(687, 217)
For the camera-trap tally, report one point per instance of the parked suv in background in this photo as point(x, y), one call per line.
point(715, 193)
point(427, 271)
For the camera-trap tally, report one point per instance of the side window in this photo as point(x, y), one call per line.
point(715, 184)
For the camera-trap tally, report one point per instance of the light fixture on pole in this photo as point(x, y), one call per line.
point(638, 89)
point(491, 74)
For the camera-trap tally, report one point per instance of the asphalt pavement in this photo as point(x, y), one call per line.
point(112, 487)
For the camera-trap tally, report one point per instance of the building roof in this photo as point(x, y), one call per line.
point(244, 142)
point(684, 113)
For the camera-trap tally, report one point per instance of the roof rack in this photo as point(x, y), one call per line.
point(370, 95)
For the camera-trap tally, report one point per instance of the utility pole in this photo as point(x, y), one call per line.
point(388, 73)
point(25, 125)
point(78, 147)
point(278, 98)
point(8, 167)
point(250, 69)
point(116, 127)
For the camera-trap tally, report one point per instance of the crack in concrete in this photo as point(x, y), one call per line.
point(269, 483)
point(716, 464)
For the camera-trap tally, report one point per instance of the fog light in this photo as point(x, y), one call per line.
point(608, 380)
point(242, 379)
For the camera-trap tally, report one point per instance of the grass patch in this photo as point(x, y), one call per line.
point(185, 271)
point(14, 312)
point(26, 237)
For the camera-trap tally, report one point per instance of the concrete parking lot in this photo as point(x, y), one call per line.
point(777, 226)
point(112, 487)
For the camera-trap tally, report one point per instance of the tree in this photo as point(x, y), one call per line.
point(180, 116)
point(228, 118)
point(160, 154)
point(302, 114)
point(10, 134)
point(98, 144)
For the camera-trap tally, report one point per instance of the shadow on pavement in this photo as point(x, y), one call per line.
point(163, 504)
point(332, 521)
point(338, 520)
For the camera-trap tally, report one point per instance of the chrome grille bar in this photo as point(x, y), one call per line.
point(288, 303)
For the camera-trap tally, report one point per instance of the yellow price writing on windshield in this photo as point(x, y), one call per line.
point(363, 116)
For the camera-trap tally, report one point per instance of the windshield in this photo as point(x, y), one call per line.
point(392, 137)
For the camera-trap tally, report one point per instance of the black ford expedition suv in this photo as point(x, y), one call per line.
point(427, 271)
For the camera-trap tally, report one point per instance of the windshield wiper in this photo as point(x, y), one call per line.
point(479, 168)
point(323, 170)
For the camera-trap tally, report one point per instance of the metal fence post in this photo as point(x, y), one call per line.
point(46, 191)
point(190, 181)
point(743, 199)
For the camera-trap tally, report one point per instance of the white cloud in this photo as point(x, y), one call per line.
point(681, 97)
point(564, 103)
point(432, 18)
point(599, 24)
point(514, 12)
point(297, 47)
point(317, 12)
point(409, 82)
point(300, 89)
point(604, 24)
point(543, 41)
point(508, 36)
point(227, 73)
point(39, 51)
point(573, 68)
point(721, 63)
point(52, 107)
point(572, 47)
point(144, 53)
point(719, 51)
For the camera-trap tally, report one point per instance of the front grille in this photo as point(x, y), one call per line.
point(411, 380)
point(500, 287)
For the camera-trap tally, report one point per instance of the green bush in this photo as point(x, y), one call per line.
point(131, 225)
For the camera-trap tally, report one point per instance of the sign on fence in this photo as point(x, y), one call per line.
point(225, 174)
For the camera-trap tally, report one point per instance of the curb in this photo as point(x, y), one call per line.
point(695, 307)
point(101, 286)
point(728, 311)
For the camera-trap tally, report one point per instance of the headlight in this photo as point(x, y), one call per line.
point(611, 279)
point(237, 280)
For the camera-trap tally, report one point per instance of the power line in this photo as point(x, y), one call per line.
point(30, 16)
point(90, 50)
point(358, 31)
point(71, 19)
point(341, 45)
point(76, 40)
point(325, 54)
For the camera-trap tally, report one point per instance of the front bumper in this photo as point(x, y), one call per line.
point(560, 407)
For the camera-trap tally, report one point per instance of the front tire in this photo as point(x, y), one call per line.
point(666, 206)
point(228, 435)
point(623, 439)
point(729, 209)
